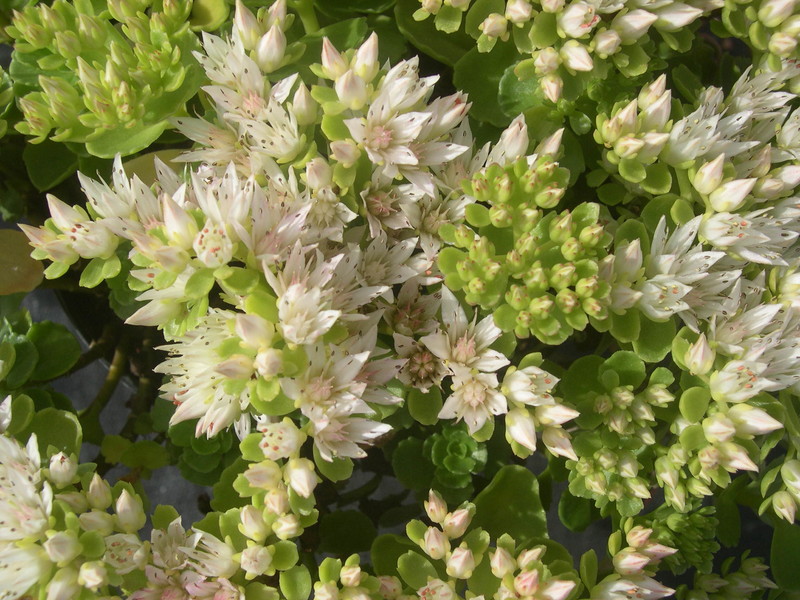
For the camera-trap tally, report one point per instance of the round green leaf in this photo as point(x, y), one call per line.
point(425, 406)
point(694, 403)
point(655, 340)
point(627, 366)
point(21, 273)
point(57, 428)
point(57, 347)
point(346, 532)
point(296, 583)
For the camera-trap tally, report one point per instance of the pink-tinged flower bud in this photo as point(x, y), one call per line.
point(264, 475)
point(345, 152)
point(502, 563)
point(318, 173)
point(751, 421)
point(352, 90)
point(519, 11)
point(276, 15)
point(286, 527)
point(270, 50)
point(527, 558)
point(718, 428)
point(455, 523)
point(546, 61)
point(93, 574)
point(435, 507)
point(99, 494)
point(578, 19)
point(656, 115)
point(268, 362)
point(365, 62)
point(772, 13)
point(281, 440)
point(75, 500)
point(436, 590)
point(435, 543)
point(558, 442)
point(606, 43)
point(628, 466)
point(326, 591)
point(576, 57)
point(247, 26)
point(736, 457)
point(130, 514)
point(238, 366)
point(304, 107)
point(431, 6)
point(62, 470)
point(552, 86)
point(64, 585)
point(633, 25)
point(62, 547)
point(555, 414)
point(255, 561)
point(784, 505)
point(253, 524)
point(494, 26)
point(730, 196)
point(782, 44)
point(333, 63)
point(527, 583)
point(461, 563)
point(638, 536)
point(628, 146)
point(521, 428)
point(555, 589)
point(630, 562)
point(301, 476)
point(676, 15)
point(390, 587)
point(709, 177)
point(351, 575)
point(277, 500)
point(700, 356)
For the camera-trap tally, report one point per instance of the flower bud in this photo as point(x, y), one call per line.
point(270, 50)
point(277, 500)
point(730, 196)
point(99, 494)
point(64, 585)
point(246, 26)
point(352, 90)
point(264, 475)
point(790, 473)
point(576, 57)
point(365, 63)
point(301, 476)
point(750, 421)
point(435, 543)
point(633, 25)
point(772, 13)
point(351, 575)
point(333, 64)
point(527, 583)
point(435, 507)
point(253, 524)
point(326, 591)
point(519, 11)
point(718, 428)
point(736, 457)
point(782, 44)
point(62, 547)
point(286, 527)
point(255, 561)
point(502, 563)
point(577, 19)
point(281, 440)
point(630, 562)
point(709, 177)
point(93, 575)
point(130, 514)
point(607, 42)
point(390, 587)
point(494, 26)
point(558, 442)
point(436, 589)
point(75, 500)
point(546, 61)
point(62, 470)
point(521, 428)
point(699, 357)
point(552, 6)
point(345, 152)
point(461, 563)
point(455, 523)
point(676, 15)
point(784, 505)
point(304, 107)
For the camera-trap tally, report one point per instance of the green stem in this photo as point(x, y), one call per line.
point(90, 418)
point(308, 16)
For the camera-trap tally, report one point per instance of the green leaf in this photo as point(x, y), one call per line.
point(783, 556)
point(200, 283)
point(425, 406)
point(386, 550)
point(339, 469)
point(730, 522)
point(285, 555)
point(124, 140)
point(22, 411)
point(588, 569)
point(515, 96)
point(415, 569)
point(483, 90)
point(57, 347)
point(259, 591)
point(575, 513)
point(658, 180)
point(632, 230)
point(48, 164)
point(632, 170)
point(21, 273)
point(224, 495)
point(296, 583)
point(57, 428)
point(25, 358)
point(208, 15)
point(410, 465)
point(346, 532)
point(113, 447)
point(694, 403)
point(627, 366)
point(515, 489)
point(145, 453)
point(655, 340)
point(477, 13)
point(163, 516)
point(423, 34)
point(626, 327)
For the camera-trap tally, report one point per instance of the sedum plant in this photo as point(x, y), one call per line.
point(395, 331)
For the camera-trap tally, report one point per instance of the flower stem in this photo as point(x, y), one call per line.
point(308, 16)
point(90, 418)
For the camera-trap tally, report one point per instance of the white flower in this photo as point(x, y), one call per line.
point(338, 434)
point(21, 568)
point(125, 552)
point(281, 440)
point(530, 386)
point(760, 236)
point(423, 369)
point(25, 501)
point(210, 556)
point(578, 19)
point(463, 343)
point(738, 381)
point(475, 397)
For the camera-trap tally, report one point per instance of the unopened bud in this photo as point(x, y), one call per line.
point(99, 494)
point(130, 514)
point(301, 476)
point(62, 470)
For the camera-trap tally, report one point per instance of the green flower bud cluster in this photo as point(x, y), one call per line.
point(337, 580)
point(771, 27)
point(607, 471)
point(537, 268)
point(456, 456)
point(87, 79)
point(565, 43)
point(634, 135)
point(618, 403)
point(693, 534)
point(748, 581)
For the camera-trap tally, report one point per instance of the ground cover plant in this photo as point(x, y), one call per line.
point(401, 282)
